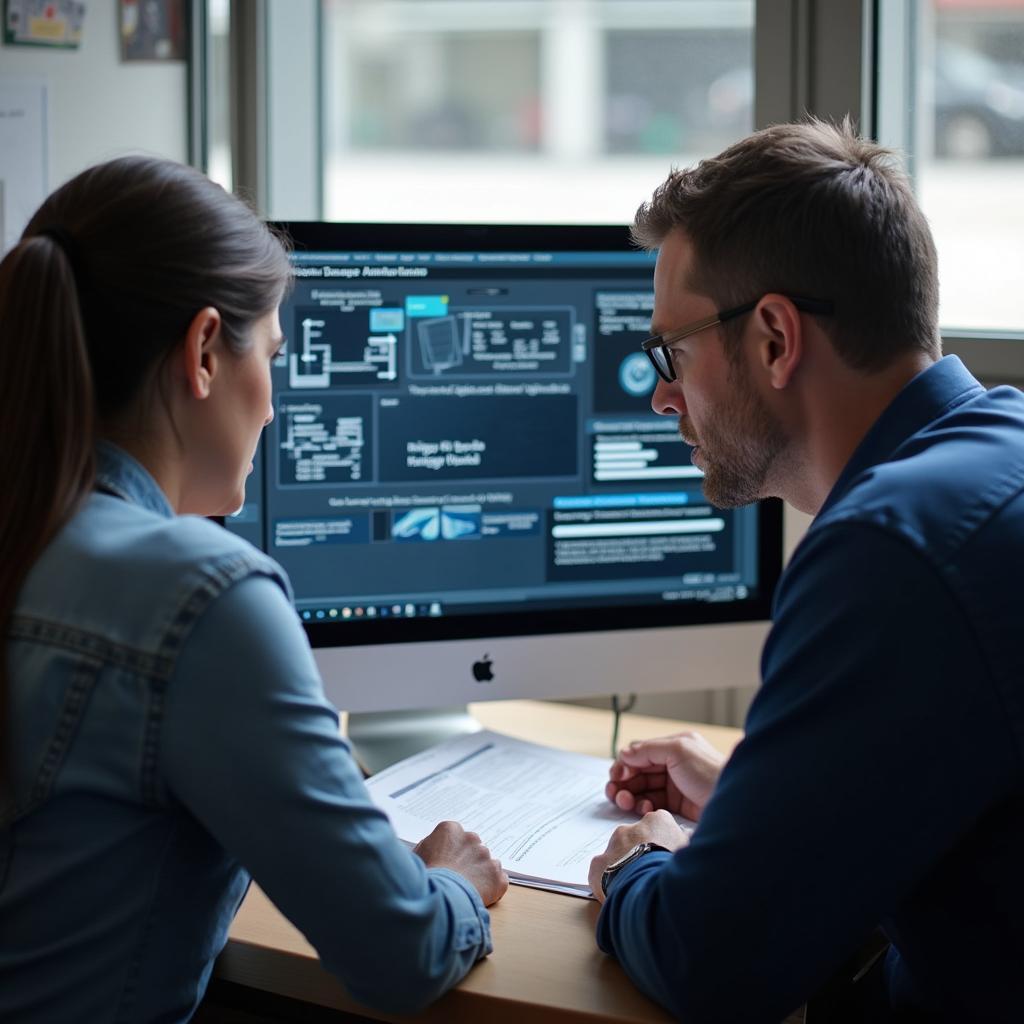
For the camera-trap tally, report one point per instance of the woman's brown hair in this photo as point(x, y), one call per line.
point(102, 285)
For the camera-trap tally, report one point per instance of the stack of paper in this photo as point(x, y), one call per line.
point(541, 811)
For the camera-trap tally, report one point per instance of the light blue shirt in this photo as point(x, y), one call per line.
point(169, 737)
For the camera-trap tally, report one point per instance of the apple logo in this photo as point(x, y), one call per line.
point(482, 672)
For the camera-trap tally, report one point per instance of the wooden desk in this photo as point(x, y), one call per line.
point(545, 965)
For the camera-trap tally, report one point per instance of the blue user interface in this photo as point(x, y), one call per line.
point(458, 433)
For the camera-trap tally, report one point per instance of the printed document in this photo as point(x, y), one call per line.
point(541, 811)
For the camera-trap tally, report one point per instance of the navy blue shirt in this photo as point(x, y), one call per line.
point(880, 779)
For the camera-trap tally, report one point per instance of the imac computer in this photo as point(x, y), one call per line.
point(467, 486)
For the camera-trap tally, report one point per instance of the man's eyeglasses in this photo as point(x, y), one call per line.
point(659, 353)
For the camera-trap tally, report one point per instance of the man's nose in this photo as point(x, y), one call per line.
point(667, 399)
point(270, 414)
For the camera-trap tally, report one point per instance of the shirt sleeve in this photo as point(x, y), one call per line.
point(859, 770)
point(251, 747)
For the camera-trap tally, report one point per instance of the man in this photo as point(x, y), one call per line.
point(880, 780)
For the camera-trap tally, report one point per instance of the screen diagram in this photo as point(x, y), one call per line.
point(329, 351)
point(497, 339)
point(322, 440)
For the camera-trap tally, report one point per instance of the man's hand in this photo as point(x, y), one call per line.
point(674, 773)
point(657, 827)
point(451, 846)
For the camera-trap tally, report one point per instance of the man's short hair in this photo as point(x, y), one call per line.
point(809, 209)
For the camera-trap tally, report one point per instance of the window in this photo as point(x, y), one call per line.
point(550, 110)
point(951, 89)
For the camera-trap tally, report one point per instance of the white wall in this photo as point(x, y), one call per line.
point(100, 107)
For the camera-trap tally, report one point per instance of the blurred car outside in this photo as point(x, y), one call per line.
point(979, 104)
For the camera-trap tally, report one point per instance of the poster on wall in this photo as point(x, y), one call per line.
point(44, 23)
point(152, 29)
point(24, 149)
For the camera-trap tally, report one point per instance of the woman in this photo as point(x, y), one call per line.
point(165, 731)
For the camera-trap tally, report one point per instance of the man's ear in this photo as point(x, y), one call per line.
point(780, 338)
point(200, 352)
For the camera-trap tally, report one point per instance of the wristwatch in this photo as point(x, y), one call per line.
point(616, 866)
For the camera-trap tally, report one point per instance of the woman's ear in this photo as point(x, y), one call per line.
point(200, 352)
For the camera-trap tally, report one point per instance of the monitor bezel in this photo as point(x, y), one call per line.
point(323, 236)
point(320, 236)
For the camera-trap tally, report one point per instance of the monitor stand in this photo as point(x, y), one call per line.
point(380, 738)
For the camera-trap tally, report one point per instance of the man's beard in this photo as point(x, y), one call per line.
point(739, 446)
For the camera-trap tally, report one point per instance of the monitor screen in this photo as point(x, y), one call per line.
point(464, 479)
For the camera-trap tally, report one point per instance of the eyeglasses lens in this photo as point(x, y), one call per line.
point(662, 362)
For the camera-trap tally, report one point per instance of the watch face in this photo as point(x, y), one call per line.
point(627, 858)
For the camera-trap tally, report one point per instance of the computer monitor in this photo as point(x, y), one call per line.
point(467, 486)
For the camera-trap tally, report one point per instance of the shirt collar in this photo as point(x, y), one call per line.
point(125, 477)
point(943, 385)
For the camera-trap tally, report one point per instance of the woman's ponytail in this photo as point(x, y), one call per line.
point(47, 417)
